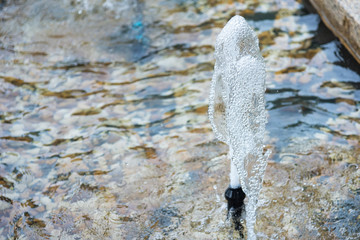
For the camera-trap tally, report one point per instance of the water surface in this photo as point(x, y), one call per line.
point(105, 134)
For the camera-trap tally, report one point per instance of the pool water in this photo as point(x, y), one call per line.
point(105, 134)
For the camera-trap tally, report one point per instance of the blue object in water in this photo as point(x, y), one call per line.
point(137, 24)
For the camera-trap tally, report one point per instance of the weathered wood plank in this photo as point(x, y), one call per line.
point(342, 17)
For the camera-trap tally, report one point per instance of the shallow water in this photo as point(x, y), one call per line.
point(105, 134)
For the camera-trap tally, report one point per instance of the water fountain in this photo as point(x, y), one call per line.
point(237, 114)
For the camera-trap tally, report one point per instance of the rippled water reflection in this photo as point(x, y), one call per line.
point(104, 128)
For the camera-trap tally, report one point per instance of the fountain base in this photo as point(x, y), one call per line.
point(235, 198)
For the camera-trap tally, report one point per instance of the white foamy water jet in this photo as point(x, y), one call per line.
point(237, 109)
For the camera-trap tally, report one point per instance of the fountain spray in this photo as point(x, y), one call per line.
point(238, 117)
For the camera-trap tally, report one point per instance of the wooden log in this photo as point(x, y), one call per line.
point(342, 17)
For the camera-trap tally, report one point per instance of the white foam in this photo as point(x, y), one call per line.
point(237, 107)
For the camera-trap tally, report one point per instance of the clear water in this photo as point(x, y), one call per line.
point(104, 127)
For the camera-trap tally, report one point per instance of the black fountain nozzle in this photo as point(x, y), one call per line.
point(235, 198)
